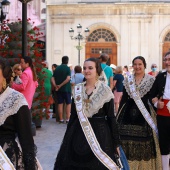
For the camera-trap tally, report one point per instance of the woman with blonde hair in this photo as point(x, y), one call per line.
point(118, 85)
point(18, 72)
point(29, 80)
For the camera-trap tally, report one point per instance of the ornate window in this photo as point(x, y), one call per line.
point(167, 37)
point(101, 50)
point(101, 35)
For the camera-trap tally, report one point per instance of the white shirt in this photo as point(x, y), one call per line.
point(166, 94)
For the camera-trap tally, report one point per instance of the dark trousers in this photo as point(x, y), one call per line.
point(55, 105)
point(163, 123)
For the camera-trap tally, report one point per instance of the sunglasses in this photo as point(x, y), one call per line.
point(18, 69)
point(154, 66)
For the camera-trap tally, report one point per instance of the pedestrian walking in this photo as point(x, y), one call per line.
point(78, 76)
point(138, 130)
point(61, 82)
point(92, 138)
point(154, 72)
point(118, 86)
point(17, 145)
point(161, 90)
point(29, 80)
point(107, 70)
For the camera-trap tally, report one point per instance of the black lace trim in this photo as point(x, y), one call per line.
point(20, 160)
point(135, 130)
point(30, 160)
point(139, 150)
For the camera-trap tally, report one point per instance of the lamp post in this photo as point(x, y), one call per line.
point(79, 37)
point(24, 26)
point(24, 43)
point(4, 9)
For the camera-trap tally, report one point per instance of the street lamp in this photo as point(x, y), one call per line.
point(24, 43)
point(4, 9)
point(24, 26)
point(79, 37)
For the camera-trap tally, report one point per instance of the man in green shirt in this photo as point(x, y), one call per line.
point(61, 82)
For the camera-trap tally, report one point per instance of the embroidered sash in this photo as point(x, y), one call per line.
point(140, 104)
point(5, 163)
point(88, 131)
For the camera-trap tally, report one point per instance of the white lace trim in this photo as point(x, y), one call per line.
point(144, 87)
point(10, 102)
point(101, 94)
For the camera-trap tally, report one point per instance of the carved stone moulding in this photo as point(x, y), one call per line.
point(62, 19)
point(142, 18)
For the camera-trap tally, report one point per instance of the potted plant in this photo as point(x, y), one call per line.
point(11, 49)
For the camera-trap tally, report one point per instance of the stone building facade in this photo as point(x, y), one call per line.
point(36, 11)
point(122, 28)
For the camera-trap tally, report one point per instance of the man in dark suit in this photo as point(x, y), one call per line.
point(160, 97)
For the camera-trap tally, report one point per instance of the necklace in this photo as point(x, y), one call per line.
point(139, 80)
point(87, 101)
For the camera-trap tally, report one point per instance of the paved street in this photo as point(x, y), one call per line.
point(48, 139)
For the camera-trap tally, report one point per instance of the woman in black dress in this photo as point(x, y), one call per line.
point(78, 149)
point(138, 136)
point(15, 125)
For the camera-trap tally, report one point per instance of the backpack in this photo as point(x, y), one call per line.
point(103, 77)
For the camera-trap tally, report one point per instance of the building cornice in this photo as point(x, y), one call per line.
point(121, 5)
point(141, 18)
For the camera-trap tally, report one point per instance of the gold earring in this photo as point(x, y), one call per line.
point(4, 84)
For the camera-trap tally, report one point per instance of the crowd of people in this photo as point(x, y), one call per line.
point(117, 117)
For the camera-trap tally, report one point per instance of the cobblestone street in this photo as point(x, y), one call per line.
point(48, 139)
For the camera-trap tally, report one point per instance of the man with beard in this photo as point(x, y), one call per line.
point(160, 96)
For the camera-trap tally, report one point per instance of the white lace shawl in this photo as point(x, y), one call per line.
point(101, 94)
point(144, 87)
point(10, 102)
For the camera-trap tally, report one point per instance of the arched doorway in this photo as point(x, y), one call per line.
point(166, 45)
point(102, 41)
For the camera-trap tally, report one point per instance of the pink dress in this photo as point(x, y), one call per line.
point(28, 86)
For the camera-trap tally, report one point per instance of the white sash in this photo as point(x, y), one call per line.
point(88, 131)
point(140, 104)
point(5, 163)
